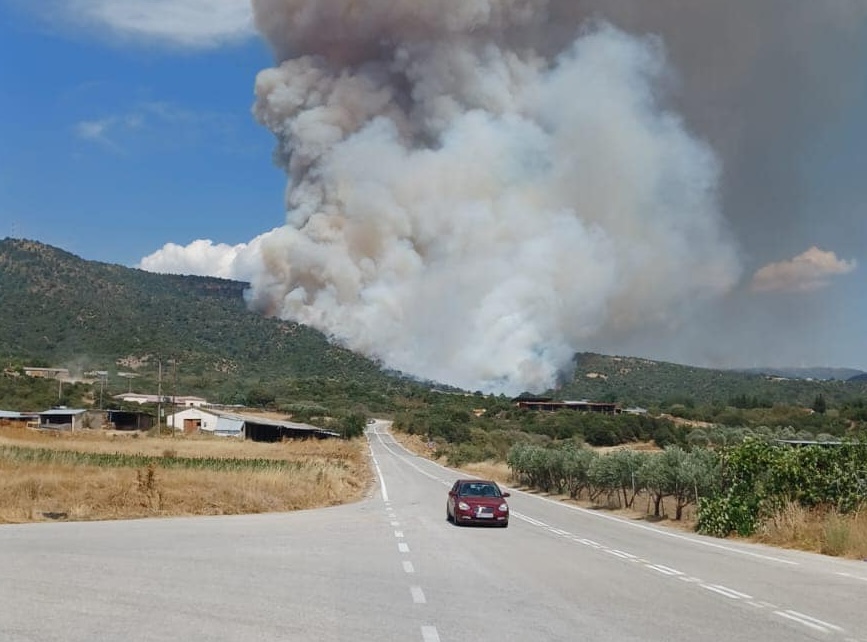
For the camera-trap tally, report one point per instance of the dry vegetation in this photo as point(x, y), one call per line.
point(268, 477)
point(818, 531)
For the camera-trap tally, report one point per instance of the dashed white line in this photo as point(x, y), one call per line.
point(408, 567)
point(689, 580)
point(395, 523)
point(398, 534)
point(417, 595)
point(727, 592)
point(665, 570)
point(429, 634)
point(808, 621)
point(403, 547)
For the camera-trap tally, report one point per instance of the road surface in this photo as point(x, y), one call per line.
point(391, 568)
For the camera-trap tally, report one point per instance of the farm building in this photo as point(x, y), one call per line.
point(46, 373)
point(128, 420)
point(244, 426)
point(62, 419)
point(186, 401)
point(10, 417)
point(549, 405)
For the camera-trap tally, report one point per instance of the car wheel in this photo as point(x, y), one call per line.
point(448, 515)
point(506, 524)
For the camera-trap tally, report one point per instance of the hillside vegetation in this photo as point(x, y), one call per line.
point(647, 383)
point(60, 310)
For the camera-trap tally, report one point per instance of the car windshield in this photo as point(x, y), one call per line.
point(479, 490)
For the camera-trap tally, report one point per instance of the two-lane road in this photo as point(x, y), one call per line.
point(391, 568)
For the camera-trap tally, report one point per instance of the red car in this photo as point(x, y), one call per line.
point(475, 501)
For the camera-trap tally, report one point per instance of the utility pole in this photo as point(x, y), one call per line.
point(174, 393)
point(160, 396)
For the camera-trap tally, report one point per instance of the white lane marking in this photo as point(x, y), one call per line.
point(689, 580)
point(398, 534)
point(403, 547)
point(665, 570)
point(616, 553)
point(429, 634)
point(810, 622)
point(395, 523)
point(379, 473)
point(417, 595)
point(853, 576)
point(591, 513)
point(727, 592)
point(408, 567)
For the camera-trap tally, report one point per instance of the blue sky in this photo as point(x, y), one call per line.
point(110, 149)
point(126, 132)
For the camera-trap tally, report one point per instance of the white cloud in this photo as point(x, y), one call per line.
point(161, 122)
point(806, 272)
point(197, 24)
point(103, 130)
point(203, 257)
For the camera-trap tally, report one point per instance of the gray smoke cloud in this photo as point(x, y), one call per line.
point(472, 208)
point(478, 189)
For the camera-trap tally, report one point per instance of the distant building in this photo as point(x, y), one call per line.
point(635, 410)
point(129, 420)
point(18, 418)
point(243, 426)
point(547, 404)
point(62, 419)
point(46, 373)
point(185, 401)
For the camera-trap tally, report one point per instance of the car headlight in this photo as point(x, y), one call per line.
point(463, 506)
point(504, 507)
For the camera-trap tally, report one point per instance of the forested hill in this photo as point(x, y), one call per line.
point(60, 310)
point(645, 382)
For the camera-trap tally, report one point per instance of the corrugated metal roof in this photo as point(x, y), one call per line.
point(265, 421)
point(11, 414)
point(62, 412)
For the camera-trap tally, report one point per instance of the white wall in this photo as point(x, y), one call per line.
point(209, 421)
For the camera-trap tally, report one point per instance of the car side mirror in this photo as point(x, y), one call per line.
point(507, 494)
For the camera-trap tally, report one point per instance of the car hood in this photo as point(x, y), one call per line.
point(483, 501)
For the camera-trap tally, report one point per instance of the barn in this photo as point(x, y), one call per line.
point(244, 426)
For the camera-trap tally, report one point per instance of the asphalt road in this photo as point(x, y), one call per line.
point(391, 568)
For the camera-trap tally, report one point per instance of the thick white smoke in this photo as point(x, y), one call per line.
point(472, 211)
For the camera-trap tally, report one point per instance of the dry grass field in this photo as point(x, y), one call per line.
point(93, 475)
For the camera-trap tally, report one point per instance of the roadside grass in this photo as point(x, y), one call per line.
point(93, 476)
point(820, 531)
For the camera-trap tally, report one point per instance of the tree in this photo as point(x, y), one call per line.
point(352, 425)
point(819, 404)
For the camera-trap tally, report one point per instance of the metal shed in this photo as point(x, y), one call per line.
point(62, 419)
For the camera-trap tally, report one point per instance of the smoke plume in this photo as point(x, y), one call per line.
point(468, 205)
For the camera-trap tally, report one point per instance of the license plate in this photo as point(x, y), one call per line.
point(484, 512)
